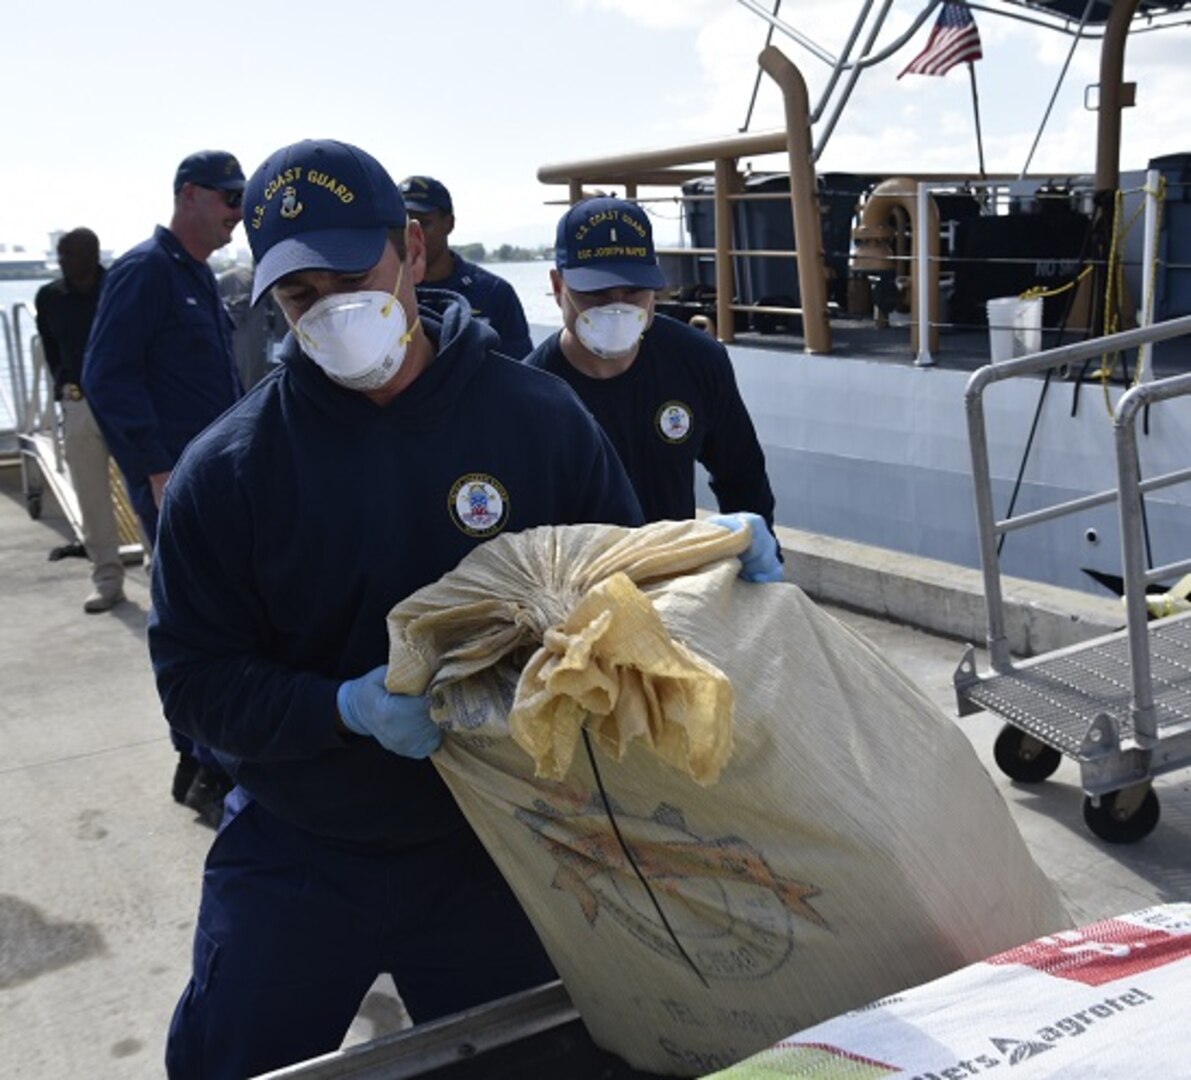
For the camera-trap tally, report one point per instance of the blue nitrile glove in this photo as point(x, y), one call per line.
point(760, 561)
point(399, 722)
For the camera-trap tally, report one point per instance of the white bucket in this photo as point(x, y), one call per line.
point(1014, 327)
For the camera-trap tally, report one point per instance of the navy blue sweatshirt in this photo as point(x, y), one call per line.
point(677, 404)
point(294, 523)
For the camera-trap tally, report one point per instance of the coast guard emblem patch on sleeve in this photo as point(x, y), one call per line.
point(674, 421)
point(479, 504)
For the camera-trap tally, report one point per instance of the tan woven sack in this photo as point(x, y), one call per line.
point(727, 817)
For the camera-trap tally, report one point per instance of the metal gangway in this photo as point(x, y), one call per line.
point(35, 439)
point(1119, 705)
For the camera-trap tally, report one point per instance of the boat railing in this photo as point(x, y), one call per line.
point(40, 417)
point(1138, 303)
point(922, 262)
point(884, 235)
point(1128, 494)
point(925, 258)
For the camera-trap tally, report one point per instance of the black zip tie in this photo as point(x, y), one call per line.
point(633, 862)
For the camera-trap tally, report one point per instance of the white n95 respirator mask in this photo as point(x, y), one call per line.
point(359, 339)
point(611, 331)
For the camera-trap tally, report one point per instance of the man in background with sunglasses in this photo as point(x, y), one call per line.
point(160, 365)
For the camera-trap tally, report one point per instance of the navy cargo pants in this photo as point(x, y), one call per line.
point(292, 932)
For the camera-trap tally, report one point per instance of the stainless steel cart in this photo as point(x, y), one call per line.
point(1120, 705)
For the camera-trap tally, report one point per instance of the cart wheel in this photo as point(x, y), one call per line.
point(1024, 758)
point(33, 504)
point(1107, 824)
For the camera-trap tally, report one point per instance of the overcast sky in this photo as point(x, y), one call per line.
point(103, 100)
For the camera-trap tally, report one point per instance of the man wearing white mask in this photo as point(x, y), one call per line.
point(389, 443)
point(664, 392)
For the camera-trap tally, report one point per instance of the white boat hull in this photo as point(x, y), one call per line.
point(878, 452)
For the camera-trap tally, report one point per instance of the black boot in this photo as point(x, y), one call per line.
point(184, 775)
point(206, 794)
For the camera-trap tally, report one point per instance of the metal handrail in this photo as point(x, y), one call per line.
point(1124, 423)
point(23, 401)
point(989, 528)
point(14, 394)
point(18, 309)
point(6, 326)
point(41, 415)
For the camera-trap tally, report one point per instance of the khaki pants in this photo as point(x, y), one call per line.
point(87, 457)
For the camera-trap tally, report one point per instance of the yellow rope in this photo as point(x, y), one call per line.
point(1035, 291)
point(1111, 316)
point(1115, 276)
point(1171, 602)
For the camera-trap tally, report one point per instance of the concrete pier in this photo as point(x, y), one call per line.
point(100, 871)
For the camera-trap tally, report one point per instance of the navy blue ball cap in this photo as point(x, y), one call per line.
point(210, 168)
point(318, 205)
point(424, 195)
point(607, 243)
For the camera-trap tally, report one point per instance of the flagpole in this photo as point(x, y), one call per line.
point(976, 114)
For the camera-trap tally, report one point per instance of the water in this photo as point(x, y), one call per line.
point(531, 281)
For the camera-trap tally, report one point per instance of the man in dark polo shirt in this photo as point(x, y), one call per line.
point(492, 299)
point(161, 365)
point(65, 311)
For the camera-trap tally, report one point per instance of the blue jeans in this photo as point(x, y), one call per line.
point(293, 930)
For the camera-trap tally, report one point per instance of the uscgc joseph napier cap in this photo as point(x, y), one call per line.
point(607, 243)
point(318, 205)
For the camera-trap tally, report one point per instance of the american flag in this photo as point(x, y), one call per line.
point(953, 40)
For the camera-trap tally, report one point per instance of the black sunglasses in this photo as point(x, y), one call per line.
point(231, 199)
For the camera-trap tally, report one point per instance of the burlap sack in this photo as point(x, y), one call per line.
point(726, 815)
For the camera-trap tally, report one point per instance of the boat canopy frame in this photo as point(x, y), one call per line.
point(668, 166)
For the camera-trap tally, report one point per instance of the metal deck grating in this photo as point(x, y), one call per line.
point(1057, 697)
